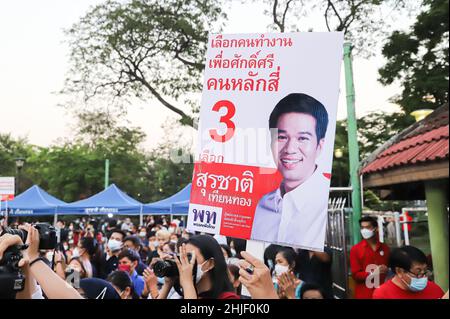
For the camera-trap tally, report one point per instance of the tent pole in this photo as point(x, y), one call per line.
point(6, 213)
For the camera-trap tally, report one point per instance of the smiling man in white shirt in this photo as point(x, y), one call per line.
point(296, 213)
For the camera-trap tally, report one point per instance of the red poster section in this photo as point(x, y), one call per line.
point(237, 189)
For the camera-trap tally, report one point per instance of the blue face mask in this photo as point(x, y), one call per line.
point(418, 284)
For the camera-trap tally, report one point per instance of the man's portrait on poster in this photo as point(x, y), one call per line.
point(295, 213)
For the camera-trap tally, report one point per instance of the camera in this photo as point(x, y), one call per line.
point(11, 277)
point(47, 235)
point(167, 267)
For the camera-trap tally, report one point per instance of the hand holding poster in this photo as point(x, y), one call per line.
point(266, 135)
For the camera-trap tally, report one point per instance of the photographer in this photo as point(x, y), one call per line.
point(210, 277)
point(34, 267)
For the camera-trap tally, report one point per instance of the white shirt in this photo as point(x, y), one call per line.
point(298, 218)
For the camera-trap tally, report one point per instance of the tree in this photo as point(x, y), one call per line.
point(171, 162)
point(419, 59)
point(374, 129)
point(142, 49)
point(75, 169)
point(10, 149)
point(362, 21)
point(378, 127)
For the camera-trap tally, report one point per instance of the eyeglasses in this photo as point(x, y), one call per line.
point(427, 274)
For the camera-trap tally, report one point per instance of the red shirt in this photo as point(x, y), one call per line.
point(228, 295)
point(362, 255)
point(389, 290)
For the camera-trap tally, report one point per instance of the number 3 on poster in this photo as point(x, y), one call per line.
point(225, 119)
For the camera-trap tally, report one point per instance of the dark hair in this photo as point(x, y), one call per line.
point(310, 286)
point(270, 253)
point(122, 280)
point(180, 242)
point(151, 233)
point(289, 254)
point(119, 231)
point(234, 270)
point(404, 257)
point(210, 248)
point(172, 246)
point(227, 249)
point(90, 244)
point(301, 103)
point(134, 239)
point(369, 219)
point(81, 264)
point(112, 222)
point(239, 245)
point(130, 254)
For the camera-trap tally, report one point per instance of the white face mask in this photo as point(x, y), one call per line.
point(143, 234)
point(76, 252)
point(49, 256)
point(200, 272)
point(114, 245)
point(367, 233)
point(280, 269)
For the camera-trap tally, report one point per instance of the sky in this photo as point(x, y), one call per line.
point(34, 62)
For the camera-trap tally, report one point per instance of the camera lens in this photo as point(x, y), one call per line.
point(165, 268)
point(20, 232)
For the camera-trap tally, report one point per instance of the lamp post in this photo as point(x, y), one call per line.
point(20, 161)
point(338, 154)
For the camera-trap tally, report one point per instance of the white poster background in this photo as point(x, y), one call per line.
point(310, 66)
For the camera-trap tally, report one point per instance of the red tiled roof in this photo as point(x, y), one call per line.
point(423, 142)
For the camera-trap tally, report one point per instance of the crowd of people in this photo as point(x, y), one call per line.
point(115, 259)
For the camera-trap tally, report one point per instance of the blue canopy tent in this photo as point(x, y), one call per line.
point(112, 200)
point(33, 202)
point(180, 208)
point(165, 206)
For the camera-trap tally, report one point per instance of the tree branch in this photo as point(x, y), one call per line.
point(275, 18)
point(186, 119)
point(331, 4)
point(285, 12)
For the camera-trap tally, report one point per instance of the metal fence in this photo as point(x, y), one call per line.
point(336, 241)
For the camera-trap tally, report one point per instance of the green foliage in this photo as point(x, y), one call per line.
point(167, 177)
point(141, 48)
point(75, 169)
point(419, 59)
point(10, 149)
point(374, 129)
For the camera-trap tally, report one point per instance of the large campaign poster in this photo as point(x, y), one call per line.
point(266, 135)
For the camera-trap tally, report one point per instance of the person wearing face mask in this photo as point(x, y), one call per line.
point(75, 265)
point(204, 274)
point(368, 258)
point(284, 277)
point(86, 250)
point(411, 280)
point(133, 242)
point(110, 260)
point(121, 281)
point(128, 261)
